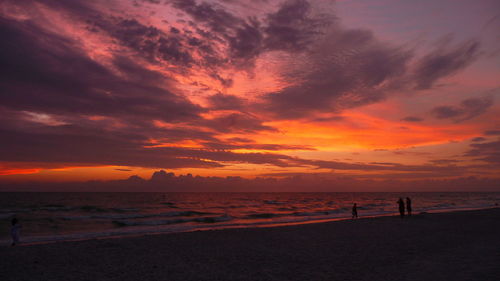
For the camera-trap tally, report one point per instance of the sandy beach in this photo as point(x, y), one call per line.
point(443, 246)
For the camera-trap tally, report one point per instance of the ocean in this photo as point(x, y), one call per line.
point(49, 217)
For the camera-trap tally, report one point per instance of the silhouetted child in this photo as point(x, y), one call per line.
point(14, 231)
point(354, 211)
point(401, 204)
point(408, 206)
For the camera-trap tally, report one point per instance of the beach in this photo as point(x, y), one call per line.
point(461, 245)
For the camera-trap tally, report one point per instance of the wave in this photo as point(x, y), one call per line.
point(22, 210)
point(172, 221)
point(319, 213)
point(452, 207)
point(138, 216)
point(372, 206)
point(123, 210)
point(262, 216)
point(273, 202)
point(112, 216)
point(169, 204)
point(62, 208)
point(157, 222)
point(295, 214)
point(287, 209)
point(443, 205)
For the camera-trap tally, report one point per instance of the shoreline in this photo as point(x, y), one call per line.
point(454, 246)
point(76, 237)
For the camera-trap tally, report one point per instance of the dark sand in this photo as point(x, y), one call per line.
point(445, 246)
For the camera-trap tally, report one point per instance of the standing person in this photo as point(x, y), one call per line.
point(408, 206)
point(401, 204)
point(14, 231)
point(354, 211)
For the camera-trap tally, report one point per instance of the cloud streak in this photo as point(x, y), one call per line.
point(468, 109)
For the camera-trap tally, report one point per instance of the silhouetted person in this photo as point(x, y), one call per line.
point(14, 231)
point(354, 211)
point(408, 206)
point(401, 204)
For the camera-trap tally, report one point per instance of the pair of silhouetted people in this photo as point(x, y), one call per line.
point(354, 211)
point(14, 231)
point(401, 205)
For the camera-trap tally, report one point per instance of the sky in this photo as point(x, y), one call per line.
point(360, 92)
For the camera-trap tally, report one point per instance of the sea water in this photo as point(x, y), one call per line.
point(48, 217)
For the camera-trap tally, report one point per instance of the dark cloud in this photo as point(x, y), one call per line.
point(492, 133)
point(242, 38)
point(336, 165)
point(444, 161)
point(44, 72)
point(478, 139)
point(7, 167)
point(216, 18)
point(412, 119)
point(148, 41)
point(292, 27)
point(444, 61)
point(444, 112)
point(225, 102)
point(152, 1)
point(85, 146)
point(383, 163)
point(176, 47)
point(255, 146)
point(237, 122)
point(488, 152)
point(407, 152)
point(351, 68)
point(76, 145)
point(468, 109)
point(329, 119)
point(71, 144)
point(341, 68)
point(247, 42)
point(333, 68)
point(240, 140)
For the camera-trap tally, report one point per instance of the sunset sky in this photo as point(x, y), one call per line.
point(365, 89)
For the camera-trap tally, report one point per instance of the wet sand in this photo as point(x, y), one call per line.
point(443, 246)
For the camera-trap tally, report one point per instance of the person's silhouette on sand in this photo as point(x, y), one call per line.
point(408, 206)
point(401, 204)
point(354, 211)
point(14, 231)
